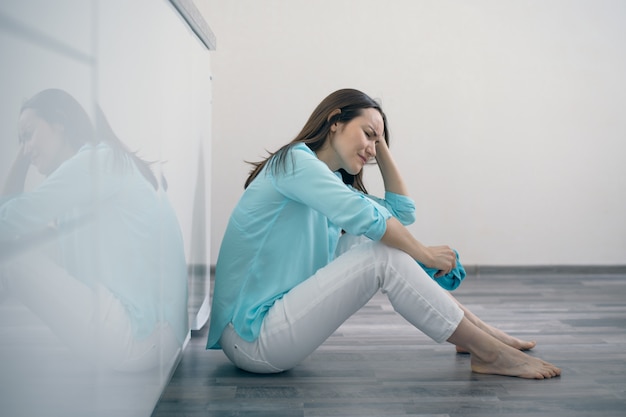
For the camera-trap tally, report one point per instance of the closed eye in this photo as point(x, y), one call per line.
point(371, 134)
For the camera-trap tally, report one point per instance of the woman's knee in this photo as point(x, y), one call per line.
point(392, 258)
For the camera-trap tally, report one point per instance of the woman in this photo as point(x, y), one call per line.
point(285, 280)
point(113, 287)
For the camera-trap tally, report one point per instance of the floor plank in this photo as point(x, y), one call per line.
point(376, 364)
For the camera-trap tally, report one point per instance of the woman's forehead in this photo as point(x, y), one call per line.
point(375, 120)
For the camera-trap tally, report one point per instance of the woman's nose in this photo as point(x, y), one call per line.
point(371, 150)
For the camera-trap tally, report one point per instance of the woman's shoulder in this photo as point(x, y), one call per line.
point(290, 157)
point(301, 151)
point(302, 147)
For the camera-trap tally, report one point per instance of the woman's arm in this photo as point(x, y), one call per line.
point(440, 257)
point(78, 185)
point(16, 179)
point(397, 235)
point(391, 175)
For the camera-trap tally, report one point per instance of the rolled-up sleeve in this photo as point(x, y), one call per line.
point(400, 206)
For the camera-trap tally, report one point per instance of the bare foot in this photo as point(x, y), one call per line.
point(505, 338)
point(511, 362)
point(489, 355)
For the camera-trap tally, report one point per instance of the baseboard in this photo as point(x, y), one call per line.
point(526, 269)
point(545, 269)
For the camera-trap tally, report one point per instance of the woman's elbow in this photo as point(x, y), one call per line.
point(406, 218)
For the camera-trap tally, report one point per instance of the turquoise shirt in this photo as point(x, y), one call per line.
point(283, 229)
point(113, 229)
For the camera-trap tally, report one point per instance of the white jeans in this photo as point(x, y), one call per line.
point(308, 314)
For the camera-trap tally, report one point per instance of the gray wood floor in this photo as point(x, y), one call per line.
point(378, 365)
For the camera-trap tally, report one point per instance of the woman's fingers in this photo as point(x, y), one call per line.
point(445, 259)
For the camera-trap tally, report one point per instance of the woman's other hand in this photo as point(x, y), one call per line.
point(443, 258)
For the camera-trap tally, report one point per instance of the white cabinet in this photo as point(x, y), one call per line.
point(146, 64)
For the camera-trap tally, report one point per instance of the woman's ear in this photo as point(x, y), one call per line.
point(332, 114)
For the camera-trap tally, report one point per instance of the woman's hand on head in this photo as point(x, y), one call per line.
point(389, 170)
point(381, 146)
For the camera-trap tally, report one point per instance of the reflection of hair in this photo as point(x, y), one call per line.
point(57, 106)
point(316, 130)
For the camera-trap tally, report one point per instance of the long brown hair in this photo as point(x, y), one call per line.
point(316, 130)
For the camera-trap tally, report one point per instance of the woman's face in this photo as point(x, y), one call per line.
point(351, 145)
point(42, 142)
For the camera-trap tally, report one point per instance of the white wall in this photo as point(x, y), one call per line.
point(507, 117)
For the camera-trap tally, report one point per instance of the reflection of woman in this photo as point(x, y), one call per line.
point(284, 279)
point(116, 287)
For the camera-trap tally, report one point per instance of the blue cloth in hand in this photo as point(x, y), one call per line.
point(451, 280)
